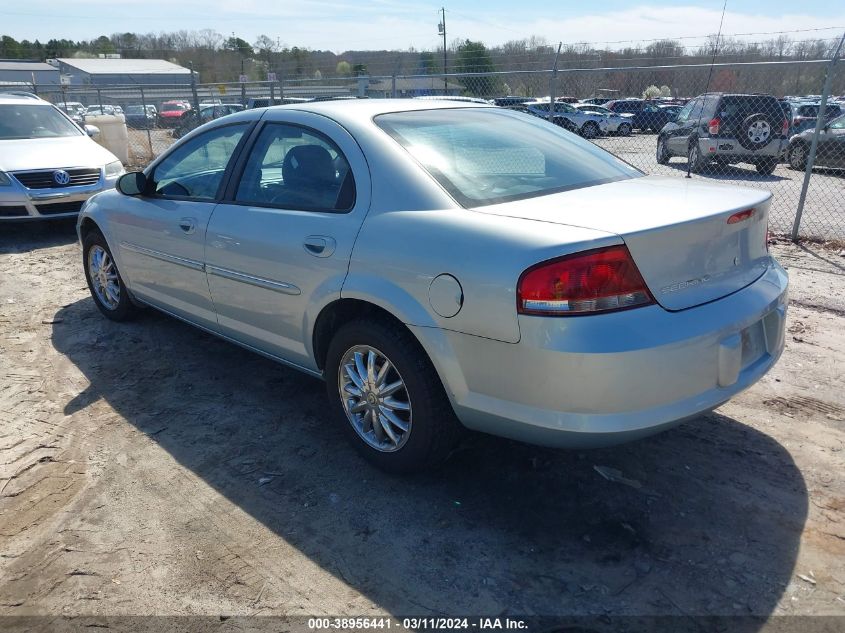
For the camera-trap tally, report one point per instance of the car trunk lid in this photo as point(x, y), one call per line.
point(678, 231)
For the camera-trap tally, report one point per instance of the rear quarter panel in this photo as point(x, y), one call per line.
point(399, 253)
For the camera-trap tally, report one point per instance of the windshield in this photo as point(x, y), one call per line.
point(173, 107)
point(135, 109)
point(813, 110)
point(487, 156)
point(595, 108)
point(34, 121)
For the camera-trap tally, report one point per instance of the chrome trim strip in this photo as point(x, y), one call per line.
point(267, 284)
point(171, 259)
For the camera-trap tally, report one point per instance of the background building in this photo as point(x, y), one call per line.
point(21, 73)
point(110, 71)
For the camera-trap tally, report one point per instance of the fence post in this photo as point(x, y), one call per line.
point(272, 93)
point(194, 92)
point(552, 85)
point(149, 134)
point(820, 122)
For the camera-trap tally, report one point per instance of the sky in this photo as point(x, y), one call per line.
point(340, 25)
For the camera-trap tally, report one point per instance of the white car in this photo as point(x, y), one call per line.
point(619, 124)
point(587, 124)
point(48, 166)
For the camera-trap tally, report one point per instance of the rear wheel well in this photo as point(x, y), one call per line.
point(337, 314)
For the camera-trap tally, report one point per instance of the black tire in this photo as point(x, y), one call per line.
point(696, 161)
point(752, 138)
point(662, 151)
point(590, 130)
point(124, 309)
point(624, 129)
point(434, 429)
point(797, 156)
point(766, 166)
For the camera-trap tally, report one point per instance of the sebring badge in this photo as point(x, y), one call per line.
point(61, 177)
point(683, 285)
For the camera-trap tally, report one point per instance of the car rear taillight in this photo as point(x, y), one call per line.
point(713, 127)
point(740, 216)
point(784, 128)
point(584, 283)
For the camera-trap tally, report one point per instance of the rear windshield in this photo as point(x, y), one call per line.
point(34, 121)
point(747, 105)
point(486, 156)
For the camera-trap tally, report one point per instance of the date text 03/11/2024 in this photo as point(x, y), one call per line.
point(417, 624)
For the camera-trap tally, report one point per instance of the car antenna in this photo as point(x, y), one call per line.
point(709, 76)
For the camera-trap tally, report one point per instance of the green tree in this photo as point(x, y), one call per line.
point(238, 45)
point(103, 45)
point(359, 69)
point(10, 48)
point(473, 57)
point(428, 63)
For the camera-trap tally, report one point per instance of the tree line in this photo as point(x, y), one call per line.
point(223, 59)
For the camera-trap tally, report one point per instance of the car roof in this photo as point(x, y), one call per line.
point(355, 109)
point(20, 97)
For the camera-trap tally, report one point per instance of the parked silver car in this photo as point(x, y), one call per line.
point(443, 266)
point(615, 123)
point(48, 165)
point(587, 124)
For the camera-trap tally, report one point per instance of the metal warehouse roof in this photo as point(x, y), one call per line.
point(8, 64)
point(125, 66)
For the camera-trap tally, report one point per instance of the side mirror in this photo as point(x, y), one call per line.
point(92, 130)
point(133, 183)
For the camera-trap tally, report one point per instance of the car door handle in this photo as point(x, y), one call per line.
point(188, 225)
point(319, 245)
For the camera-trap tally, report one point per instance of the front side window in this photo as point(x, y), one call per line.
point(294, 168)
point(486, 156)
point(196, 169)
point(683, 115)
point(19, 121)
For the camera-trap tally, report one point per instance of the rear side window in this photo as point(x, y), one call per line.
point(291, 167)
point(484, 156)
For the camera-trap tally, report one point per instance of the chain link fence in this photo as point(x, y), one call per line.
point(754, 141)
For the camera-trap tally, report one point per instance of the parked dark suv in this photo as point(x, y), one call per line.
point(727, 128)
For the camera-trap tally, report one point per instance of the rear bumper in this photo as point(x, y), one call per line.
point(606, 379)
point(731, 149)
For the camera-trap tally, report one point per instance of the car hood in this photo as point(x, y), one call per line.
point(52, 153)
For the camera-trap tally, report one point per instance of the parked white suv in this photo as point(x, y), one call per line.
point(48, 166)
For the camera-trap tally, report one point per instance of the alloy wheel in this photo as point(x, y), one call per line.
point(104, 280)
point(375, 398)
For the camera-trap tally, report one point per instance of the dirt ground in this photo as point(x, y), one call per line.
point(150, 468)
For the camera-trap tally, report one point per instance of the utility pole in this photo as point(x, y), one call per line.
point(441, 29)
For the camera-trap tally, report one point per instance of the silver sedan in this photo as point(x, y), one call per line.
point(445, 266)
